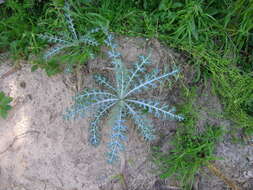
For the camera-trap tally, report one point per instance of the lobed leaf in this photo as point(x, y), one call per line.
point(102, 80)
point(138, 68)
point(160, 111)
point(143, 124)
point(150, 82)
point(117, 136)
point(54, 50)
point(94, 136)
point(4, 105)
point(70, 21)
point(88, 40)
point(53, 39)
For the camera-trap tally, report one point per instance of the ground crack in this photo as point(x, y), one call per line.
point(16, 138)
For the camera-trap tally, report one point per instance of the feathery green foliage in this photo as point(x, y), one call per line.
point(190, 152)
point(121, 98)
point(190, 149)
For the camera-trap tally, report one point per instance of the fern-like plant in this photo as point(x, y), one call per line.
point(70, 39)
point(120, 99)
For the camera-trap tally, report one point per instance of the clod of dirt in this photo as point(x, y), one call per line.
point(23, 84)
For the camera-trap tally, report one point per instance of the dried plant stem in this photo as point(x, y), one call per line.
point(11, 71)
point(16, 138)
point(224, 178)
point(79, 79)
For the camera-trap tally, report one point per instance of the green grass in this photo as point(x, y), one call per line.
point(215, 35)
point(190, 149)
point(190, 152)
point(18, 27)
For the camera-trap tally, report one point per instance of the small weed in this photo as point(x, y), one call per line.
point(122, 101)
point(190, 149)
point(78, 45)
point(190, 152)
point(4, 105)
